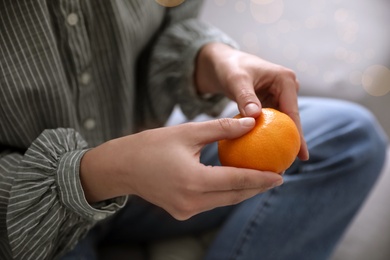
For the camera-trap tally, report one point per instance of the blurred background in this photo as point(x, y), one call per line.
point(340, 49)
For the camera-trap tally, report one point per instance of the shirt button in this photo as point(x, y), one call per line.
point(90, 124)
point(99, 216)
point(72, 19)
point(85, 78)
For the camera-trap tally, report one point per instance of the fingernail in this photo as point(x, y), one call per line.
point(247, 121)
point(251, 109)
point(277, 183)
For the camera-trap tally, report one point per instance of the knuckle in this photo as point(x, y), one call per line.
point(179, 216)
point(286, 72)
point(238, 77)
point(183, 209)
point(297, 85)
point(288, 75)
point(294, 114)
point(245, 95)
point(184, 214)
point(224, 123)
point(241, 182)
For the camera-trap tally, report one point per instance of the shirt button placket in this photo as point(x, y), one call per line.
point(84, 81)
point(89, 122)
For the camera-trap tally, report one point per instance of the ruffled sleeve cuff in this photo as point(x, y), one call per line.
point(71, 192)
point(47, 210)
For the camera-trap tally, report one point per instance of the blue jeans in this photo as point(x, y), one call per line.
point(302, 219)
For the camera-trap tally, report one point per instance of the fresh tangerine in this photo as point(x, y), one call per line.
point(272, 144)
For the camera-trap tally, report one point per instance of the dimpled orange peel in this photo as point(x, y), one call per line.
point(272, 144)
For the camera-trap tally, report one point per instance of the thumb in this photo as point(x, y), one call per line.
point(247, 101)
point(223, 128)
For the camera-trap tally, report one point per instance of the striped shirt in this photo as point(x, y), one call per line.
point(74, 74)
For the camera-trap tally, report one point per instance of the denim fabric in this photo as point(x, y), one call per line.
point(302, 219)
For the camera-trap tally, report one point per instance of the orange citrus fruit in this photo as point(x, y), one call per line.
point(272, 145)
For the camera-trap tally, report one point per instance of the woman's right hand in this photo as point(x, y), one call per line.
point(162, 166)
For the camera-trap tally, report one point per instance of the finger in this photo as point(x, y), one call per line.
point(224, 186)
point(288, 105)
point(247, 101)
point(207, 201)
point(223, 128)
point(220, 186)
point(220, 178)
point(211, 200)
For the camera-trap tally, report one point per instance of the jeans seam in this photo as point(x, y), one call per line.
point(248, 231)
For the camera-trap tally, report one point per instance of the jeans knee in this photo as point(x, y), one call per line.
point(370, 135)
point(340, 132)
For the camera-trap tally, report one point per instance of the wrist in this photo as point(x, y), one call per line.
point(98, 174)
point(206, 73)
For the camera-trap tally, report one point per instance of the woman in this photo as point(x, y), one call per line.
point(81, 80)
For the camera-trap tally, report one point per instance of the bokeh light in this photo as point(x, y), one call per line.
point(355, 77)
point(376, 80)
point(316, 21)
point(348, 32)
point(347, 56)
point(341, 15)
point(240, 6)
point(266, 11)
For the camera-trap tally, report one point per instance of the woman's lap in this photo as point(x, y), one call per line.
point(308, 213)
